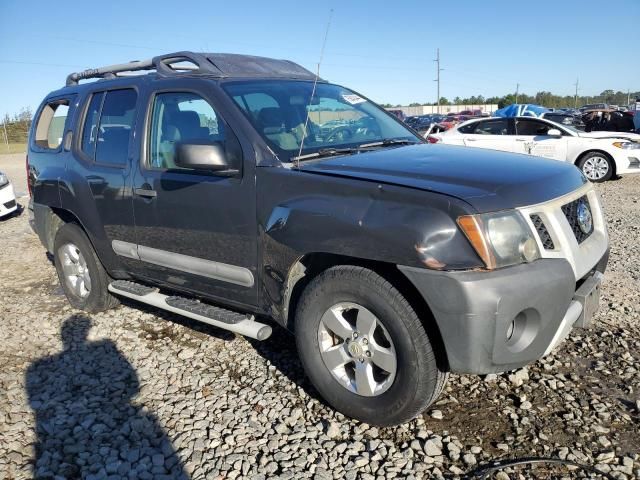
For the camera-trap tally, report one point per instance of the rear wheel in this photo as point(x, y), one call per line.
point(596, 166)
point(364, 347)
point(81, 275)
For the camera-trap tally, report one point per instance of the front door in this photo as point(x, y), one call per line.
point(532, 138)
point(195, 229)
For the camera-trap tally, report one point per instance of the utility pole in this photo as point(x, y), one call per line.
point(575, 98)
point(517, 90)
point(438, 70)
point(628, 96)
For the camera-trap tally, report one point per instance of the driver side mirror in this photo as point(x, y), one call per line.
point(203, 156)
point(554, 132)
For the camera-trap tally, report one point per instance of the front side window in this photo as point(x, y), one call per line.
point(337, 117)
point(532, 127)
point(492, 127)
point(50, 124)
point(181, 117)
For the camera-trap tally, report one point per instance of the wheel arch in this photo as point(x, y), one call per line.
point(310, 265)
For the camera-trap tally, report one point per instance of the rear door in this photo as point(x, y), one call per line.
point(98, 181)
point(531, 138)
point(195, 230)
point(492, 133)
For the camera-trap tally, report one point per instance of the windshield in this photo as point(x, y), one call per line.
point(338, 117)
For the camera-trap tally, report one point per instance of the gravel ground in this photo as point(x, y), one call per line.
point(139, 393)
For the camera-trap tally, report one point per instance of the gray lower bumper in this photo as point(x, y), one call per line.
point(476, 310)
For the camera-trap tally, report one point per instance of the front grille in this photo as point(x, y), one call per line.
point(570, 211)
point(10, 204)
point(543, 233)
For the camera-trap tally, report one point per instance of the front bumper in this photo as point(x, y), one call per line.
point(8, 202)
point(475, 310)
point(628, 162)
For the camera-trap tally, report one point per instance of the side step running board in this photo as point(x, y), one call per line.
point(216, 316)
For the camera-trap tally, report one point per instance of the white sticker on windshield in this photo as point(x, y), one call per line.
point(353, 99)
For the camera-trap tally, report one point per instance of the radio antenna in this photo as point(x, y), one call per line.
point(313, 90)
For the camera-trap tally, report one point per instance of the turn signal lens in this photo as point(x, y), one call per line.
point(473, 230)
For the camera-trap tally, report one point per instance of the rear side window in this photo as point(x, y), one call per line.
point(467, 128)
point(492, 127)
point(50, 124)
point(108, 124)
point(90, 129)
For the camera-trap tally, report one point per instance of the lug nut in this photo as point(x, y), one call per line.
point(368, 353)
point(365, 341)
point(361, 360)
point(355, 334)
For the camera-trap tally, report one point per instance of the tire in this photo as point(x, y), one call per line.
point(593, 165)
point(89, 290)
point(398, 398)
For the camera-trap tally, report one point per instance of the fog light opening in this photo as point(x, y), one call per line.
point(522, 330)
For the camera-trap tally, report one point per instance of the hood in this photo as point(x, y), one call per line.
point(488, 180)
point(611, 135)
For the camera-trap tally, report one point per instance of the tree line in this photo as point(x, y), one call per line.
point(15, 128)
point(546, 99)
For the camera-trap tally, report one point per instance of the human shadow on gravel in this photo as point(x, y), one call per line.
point(86, 425)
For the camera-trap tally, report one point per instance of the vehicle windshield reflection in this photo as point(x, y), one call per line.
point(338, 117)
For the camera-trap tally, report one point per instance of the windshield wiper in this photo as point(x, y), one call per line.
point(326, 152)
point(388, 141)
point(330, 152)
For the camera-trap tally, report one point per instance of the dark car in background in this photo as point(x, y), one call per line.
point(564, 118)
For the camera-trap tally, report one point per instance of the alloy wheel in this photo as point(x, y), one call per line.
point(74, 267)
point(357, 349)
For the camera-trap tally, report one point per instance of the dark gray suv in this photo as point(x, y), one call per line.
point(245, 192)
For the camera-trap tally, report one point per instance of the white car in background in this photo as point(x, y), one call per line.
point(600, 155)
point(7, 196)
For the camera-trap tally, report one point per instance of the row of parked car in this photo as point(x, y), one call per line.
point(599, 154)
point(596, 117)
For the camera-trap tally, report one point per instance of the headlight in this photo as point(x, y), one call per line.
point(500, 239)
point(3, 179)
point(627, 145)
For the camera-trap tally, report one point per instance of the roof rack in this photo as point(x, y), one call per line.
point(216, 64)
point(171, 63)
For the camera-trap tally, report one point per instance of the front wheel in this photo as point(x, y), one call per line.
point(364, 347)
point(596, 166)
point(82, 277)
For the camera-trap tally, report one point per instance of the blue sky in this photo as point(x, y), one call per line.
point(382, 49)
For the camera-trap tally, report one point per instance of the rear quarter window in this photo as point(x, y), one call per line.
point(50, 125)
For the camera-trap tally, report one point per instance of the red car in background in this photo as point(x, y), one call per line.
point(471, 113)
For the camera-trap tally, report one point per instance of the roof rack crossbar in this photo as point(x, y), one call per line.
point(109, 71)
point(163, 64)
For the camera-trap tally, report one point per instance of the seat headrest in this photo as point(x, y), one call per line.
point(271, 117)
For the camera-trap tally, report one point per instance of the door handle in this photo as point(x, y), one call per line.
point(521, 139)
point(470, 139)
point(145, 192)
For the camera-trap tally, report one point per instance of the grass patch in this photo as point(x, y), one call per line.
point(13, 148)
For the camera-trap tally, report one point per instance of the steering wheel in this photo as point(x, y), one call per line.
point(340, 134)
